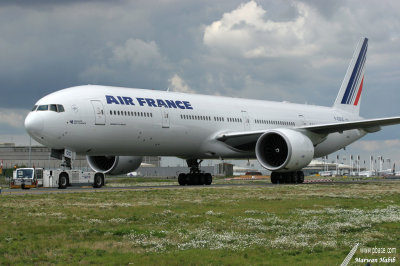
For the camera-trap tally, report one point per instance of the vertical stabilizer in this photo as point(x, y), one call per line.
point(349, 96)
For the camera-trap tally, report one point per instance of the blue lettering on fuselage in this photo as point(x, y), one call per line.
point(123, 100)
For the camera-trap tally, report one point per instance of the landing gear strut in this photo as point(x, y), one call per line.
point(195, 176)
point(287, 178)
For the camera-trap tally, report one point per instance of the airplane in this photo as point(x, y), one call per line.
point(115, 127)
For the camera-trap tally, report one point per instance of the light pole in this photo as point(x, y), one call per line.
point(30, 150)
point(337, 164)
point(351, 165)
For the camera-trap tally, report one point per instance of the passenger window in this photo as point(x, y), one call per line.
point(43, 108)
point(110, 112)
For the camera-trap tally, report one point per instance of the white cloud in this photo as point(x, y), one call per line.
point(178, 84)
point(13, 117)
point(246, 32)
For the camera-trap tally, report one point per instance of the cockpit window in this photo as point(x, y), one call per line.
point(43, 108)
point(53, 107)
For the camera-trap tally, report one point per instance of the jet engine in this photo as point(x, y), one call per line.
point(114, 165)
point(284, 150)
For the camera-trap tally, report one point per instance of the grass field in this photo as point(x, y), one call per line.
point(271, 225)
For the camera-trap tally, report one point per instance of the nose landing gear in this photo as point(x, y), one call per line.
point(195, 176)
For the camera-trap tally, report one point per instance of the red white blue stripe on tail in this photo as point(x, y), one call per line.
point(354, 87)
point(350, 91)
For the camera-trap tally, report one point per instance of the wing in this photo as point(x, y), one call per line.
point(246, 140)
point(369, 125)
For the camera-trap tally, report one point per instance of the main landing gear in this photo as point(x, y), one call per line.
point(195, 177)
point(287, 178)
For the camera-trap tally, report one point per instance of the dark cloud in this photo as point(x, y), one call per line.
point(47, 3)
point(49, 45)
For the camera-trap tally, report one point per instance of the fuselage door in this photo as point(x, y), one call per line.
point(246, 120)
point(302, 120)
point(100, 118)
point(165, 118)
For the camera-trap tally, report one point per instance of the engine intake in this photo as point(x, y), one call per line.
point(114, 165)
point(284, 150)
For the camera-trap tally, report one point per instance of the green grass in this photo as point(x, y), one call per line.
point(270, 225)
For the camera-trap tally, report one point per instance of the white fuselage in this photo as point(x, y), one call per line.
point(101, 120)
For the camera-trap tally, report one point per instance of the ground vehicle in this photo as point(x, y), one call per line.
point(26, 178)
point(64, 178)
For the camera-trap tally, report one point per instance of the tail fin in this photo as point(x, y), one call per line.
point(349, 95)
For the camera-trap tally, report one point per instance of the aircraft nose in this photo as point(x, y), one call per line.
point(34, 125)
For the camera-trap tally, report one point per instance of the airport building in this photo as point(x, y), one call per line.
point(39, 156)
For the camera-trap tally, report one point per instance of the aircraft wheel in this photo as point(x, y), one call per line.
point(182, 179)
point(196, 179)
point(300, 177)
point(274, 178)
point(208, 179)
point(202, 179)
point(293, 177)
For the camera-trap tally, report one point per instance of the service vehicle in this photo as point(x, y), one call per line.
point(26, 178)
point(62, 178)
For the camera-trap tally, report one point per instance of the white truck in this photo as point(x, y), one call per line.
point(26, 178)
point(63, 178)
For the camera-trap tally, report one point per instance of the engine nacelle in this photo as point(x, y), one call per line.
point(114, 165)
point(284, 150)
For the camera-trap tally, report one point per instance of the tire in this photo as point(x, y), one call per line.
point(293, 177)
point(188, 179)
point(98, 181)
point(208, 179)
point(182, 179)
point(63, 181)
point(274, 178)
point(300, 177)
point(196, 179)
point(202, 179)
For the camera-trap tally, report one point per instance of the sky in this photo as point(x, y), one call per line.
point(297, 51)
